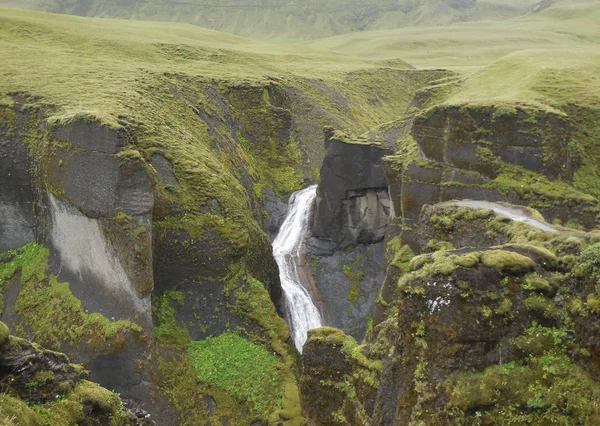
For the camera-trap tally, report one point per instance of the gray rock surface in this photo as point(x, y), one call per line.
point(275, 211)
point(16, 195)
point(348, 282)
point(92, 136)
point(351, 206)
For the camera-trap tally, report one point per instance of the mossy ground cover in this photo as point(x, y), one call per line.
point(544, 387)
point(52, 315)
point(240, 368)
point(227, 366)
point(75, 408)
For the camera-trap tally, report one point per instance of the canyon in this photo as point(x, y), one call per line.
point(197, 228)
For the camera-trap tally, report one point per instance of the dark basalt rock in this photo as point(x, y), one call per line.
point(37, 376)
point(453, 134)
point(17, 222)
point(91, 135)
point(348, 282)
point(352, 204)
point(275, 211)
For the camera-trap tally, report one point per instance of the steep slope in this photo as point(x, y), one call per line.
point(41, 387)
point(291, 19)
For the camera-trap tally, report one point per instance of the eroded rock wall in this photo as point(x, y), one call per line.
point(474, 304)
point(350, 218)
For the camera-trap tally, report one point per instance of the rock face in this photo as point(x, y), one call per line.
point(352, 205)
point(32, 376)
point(457, 321)
point(121, 251)
point(334, 371)
point(350, 217)
point(520, 156)
point(534, 140)
point(482, 317)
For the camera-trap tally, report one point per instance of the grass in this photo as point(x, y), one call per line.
point(241, 368)
point(285, 20)
point(466, 46)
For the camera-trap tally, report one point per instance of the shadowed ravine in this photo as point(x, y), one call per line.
point(302, 314)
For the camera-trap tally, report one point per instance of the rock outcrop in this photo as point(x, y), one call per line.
point(349, 221)
point(485, 315)
point(61, 391)
point(352, 205)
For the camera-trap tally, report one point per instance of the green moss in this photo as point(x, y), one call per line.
point(40, 378)
point(442, 223)
point(254, 303)
point(506, 261)
point(353, 294)
point(588, 266)
point(545, 387)
point(241, 368)
point(536, 283)
point(505, 307)
point(328, 335)
point(4, 333)
point(542, 306)
point(438, 263)
point(75, 408)
point(168, 330)
point(593, 303)
point(13, 411)
point(51, 311)
point(435, 245)
point(399, 255)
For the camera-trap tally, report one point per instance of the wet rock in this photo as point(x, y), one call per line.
point(348, 282)
point(274, 214)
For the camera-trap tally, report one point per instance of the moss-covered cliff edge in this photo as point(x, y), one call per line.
point(488, 308)
point(40, 387)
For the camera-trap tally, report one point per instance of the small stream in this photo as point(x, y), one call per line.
point(289, 252)
point(512, 212)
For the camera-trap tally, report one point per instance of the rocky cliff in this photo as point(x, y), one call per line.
point(349, 221)
point(41, 387)
point(136, 213)
point(487, 305)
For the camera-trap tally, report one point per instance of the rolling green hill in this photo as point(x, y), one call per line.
point(290, 19)
point(563, 26)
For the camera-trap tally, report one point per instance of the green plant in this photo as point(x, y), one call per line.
point(241, 368)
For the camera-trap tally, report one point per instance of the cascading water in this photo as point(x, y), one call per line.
point(288, 250)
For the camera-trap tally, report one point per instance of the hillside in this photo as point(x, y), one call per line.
point(290, 19)
point(562, 26)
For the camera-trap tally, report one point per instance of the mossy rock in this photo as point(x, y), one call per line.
point(4, 333)
point(15, 412)
point(506, 261)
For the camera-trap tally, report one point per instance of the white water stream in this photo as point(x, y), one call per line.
point(289, 252)
point(512, 212)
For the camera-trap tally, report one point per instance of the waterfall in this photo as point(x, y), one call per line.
point(289, 252)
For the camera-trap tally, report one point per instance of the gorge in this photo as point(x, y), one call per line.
point(391, 227)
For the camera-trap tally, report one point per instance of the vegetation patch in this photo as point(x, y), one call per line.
point(51, 311)
point(545, 387)
point(241, 368)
